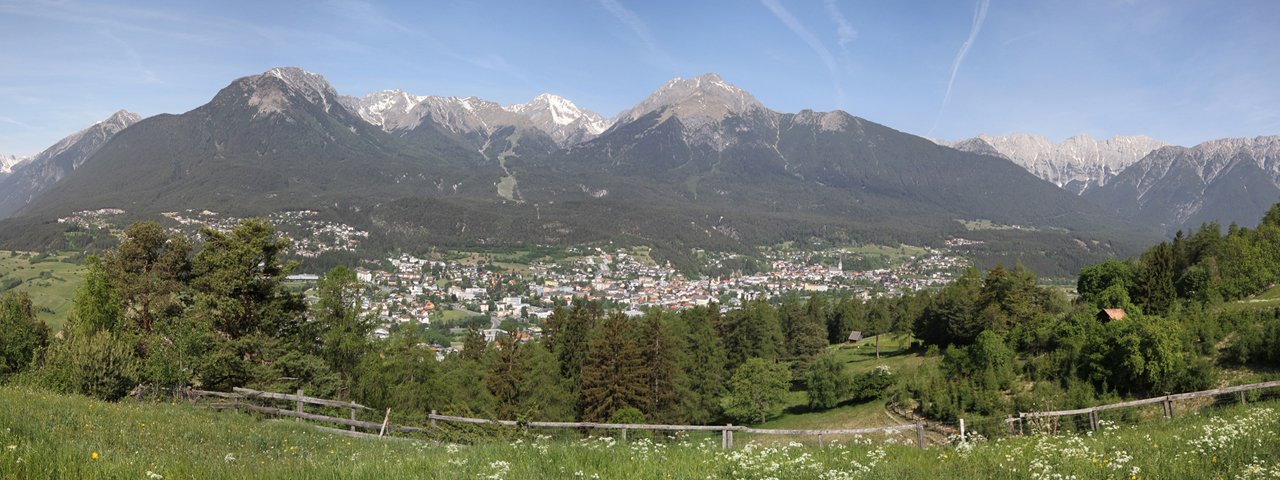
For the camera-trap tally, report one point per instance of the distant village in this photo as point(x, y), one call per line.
point(446, 291)
point(423, 291)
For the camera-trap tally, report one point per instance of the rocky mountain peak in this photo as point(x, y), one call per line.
point(271, 91)
point(695, 101)
point(560, 118)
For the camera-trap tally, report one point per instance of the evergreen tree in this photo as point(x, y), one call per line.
point(343, 329)
point(506, 377)
point(473, 346)
point(703, 364)
point(543, 393)
point(1157, 285)
point(21, 335)
point(148, 269)
point(753, 331)
point(806, 334)
point(613, 374)
point(568, 334)
point(97, 305)
point(660, 354)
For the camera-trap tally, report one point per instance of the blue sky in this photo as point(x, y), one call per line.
point(1181, 71)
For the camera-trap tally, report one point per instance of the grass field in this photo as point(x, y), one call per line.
point(1268, 299)
point(857, 359)
point(50, 436)
point(50, 281)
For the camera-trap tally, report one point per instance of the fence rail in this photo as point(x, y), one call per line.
point(726, 431)
point(1015, 424)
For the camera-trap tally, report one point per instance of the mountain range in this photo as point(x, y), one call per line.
point(1233, 180)
point(1077, 164)
point(35, 175)
point(699, 163)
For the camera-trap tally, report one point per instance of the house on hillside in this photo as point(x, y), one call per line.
point(1111, 314)
point(855, 336)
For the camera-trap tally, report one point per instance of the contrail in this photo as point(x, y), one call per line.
point(979, 16)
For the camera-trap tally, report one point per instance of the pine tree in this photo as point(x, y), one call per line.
point(753, 331)
point(660, 357)
point(703, 364)
point(544, 394)
point(613, 375)
point(568, 335)
point(506, 377)
point(343, 329)
point(148, 269)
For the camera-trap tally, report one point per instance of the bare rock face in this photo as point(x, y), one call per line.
point(1225, 180)
point(1077, 164)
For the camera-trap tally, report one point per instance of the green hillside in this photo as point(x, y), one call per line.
point(52, 436)
point(50, 280)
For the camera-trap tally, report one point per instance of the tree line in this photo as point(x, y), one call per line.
point(158, 310)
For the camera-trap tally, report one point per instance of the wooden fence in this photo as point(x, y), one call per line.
point(239, 397)
point(239, 400)
point(1016, 424)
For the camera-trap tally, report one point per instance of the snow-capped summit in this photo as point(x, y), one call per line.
point(396, 110)
point(565, 122)
point(9, 162)
point(390, 109)
point(696, 101)
point(1077, 164)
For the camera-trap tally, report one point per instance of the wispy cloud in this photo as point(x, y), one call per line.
point(845, 34)
point(14, 122)
point(633, 22)
point(979, 17)
point(809, 38)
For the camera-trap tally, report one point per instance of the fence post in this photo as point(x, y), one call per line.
point(724, 439)
point(297, 407)
point(386, 418)
point(1242, 397)
point(1093, 420)
point(1021, 423)
point(820, 445)
point(624, 435)
point(353, 418)
point(730, 432)
point(433, 419)
point(1009, 422)
point(1170, 402)
point(962, 437)
point(920, 435)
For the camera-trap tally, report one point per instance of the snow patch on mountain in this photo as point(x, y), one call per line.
point(9, 162)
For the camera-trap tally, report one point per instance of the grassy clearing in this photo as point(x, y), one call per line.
point(857, 359)
point(1267, 300)
point(50, 281)
point(51, 436)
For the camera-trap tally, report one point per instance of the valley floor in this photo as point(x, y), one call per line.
point(44, 435)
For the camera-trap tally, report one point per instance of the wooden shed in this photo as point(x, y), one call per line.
point(855, 336)
point(1111, 314)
